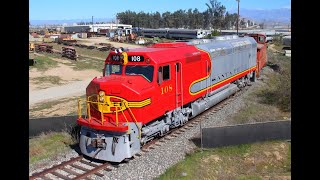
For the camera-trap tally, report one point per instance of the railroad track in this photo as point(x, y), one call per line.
point(81, 168)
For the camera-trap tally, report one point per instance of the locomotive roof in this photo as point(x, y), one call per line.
point(169, 52)
point(166, 52)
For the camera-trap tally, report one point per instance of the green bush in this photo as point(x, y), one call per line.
point(278, 90)
point(213, 33)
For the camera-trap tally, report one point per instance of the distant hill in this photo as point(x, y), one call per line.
point(282, 15)
point(68, 21)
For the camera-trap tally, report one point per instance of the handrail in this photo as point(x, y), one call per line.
point(135, 120)
point(127, 121)
point(88, 102)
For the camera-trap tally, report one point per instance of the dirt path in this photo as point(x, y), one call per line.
point(71, 89)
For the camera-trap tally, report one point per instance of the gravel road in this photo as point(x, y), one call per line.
point(75, 88)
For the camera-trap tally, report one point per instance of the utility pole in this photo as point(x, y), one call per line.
point(92, 26)
point(238, 18)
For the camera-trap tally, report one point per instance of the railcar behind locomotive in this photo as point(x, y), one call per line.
point(174, 33)
point(145, 92)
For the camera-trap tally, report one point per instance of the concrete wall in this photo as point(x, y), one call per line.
point(246, 133)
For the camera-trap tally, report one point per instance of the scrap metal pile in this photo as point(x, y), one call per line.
point(43, 48)
point(69, 52)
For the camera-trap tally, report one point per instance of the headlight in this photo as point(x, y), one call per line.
point(101, 93)
point(101, 99)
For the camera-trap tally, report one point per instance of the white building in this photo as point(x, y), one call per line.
point(94, 27)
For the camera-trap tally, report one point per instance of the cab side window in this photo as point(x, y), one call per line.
point(261, 39)
point(163, 73)
point(166, 72)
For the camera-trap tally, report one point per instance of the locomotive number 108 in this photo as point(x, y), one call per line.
point(166, 89)
point(136, 58)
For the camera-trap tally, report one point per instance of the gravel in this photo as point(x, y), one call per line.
point(154, 163)
point(49, 162)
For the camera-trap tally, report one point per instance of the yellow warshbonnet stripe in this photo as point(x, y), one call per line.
point(203, 77)
point(121, 106)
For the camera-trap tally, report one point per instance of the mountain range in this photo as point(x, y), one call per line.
point(282, 15)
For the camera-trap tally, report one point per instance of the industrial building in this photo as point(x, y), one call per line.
point(93, 28)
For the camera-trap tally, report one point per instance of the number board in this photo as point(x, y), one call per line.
point(135, 58)
point(115, 58)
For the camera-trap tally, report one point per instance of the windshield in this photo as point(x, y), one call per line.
point(144, 71)
point(113, 69)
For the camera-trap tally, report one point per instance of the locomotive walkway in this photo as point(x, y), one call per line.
point(52, 93)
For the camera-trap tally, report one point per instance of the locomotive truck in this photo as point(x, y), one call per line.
point(145, 92)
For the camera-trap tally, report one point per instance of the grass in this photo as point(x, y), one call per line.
point(82, 63)
point(48, 145)
point(38, 108)
point(278, 86)
point(88, 63)
point(84, 51)
point(47, 105)
point(44, 63)
point(271, 100)
point(249, 161)
point(48, 79)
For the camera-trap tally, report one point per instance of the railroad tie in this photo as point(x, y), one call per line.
point(144, 150)
point(88, 163)
point(60, 175)
point(70, 171)
point(138, 154)
point(99, 174)
point(167, 138)
point(45, 177)
point(79, 167)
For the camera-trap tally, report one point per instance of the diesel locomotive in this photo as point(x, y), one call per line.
point(145, 92)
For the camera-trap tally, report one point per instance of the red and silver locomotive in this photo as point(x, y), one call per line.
point(145, 92)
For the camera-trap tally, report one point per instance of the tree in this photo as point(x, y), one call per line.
point(214, 17)
point(215, 13)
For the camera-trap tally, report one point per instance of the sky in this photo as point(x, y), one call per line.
point(85, 9)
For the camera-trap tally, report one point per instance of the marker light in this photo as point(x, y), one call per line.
point(125, 58)
point(101, 93)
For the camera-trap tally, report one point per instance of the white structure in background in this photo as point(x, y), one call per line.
point(94, 28)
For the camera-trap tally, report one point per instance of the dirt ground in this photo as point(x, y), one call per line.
point(65, 72)
point(93, 40)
